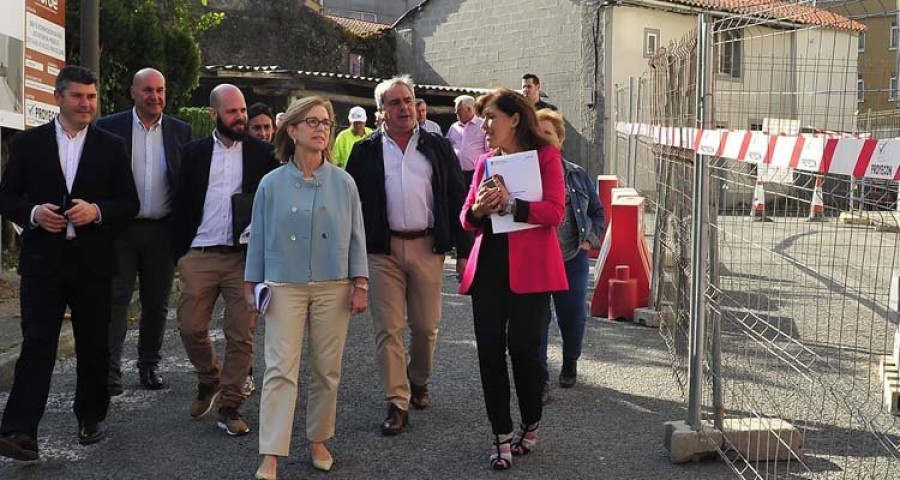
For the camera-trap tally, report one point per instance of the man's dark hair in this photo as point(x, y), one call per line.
point(74, 74)
point(260, 108)
point(534, 78)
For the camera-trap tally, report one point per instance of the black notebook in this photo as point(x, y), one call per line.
point(241, 212)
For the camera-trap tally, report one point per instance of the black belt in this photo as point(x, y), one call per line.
point(218, 249)
point(150, 220)
point(411, 235)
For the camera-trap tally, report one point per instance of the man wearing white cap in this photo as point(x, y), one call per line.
point(345, 140)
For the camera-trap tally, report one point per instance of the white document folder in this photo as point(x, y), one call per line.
point(521, 173)
point(262, 295)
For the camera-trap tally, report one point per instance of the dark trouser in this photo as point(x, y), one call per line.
point(506, 320)
point(467, 175)
point(143, 251)
point(43, 303)
point(571, 311)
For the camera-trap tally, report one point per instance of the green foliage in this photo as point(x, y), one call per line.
point(201, 123)
point(135, 34)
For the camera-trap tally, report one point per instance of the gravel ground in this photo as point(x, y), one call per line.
point(610, 426)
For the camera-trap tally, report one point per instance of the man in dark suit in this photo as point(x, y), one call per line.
point(68, 184)
point(210, 258)
point(144, 250)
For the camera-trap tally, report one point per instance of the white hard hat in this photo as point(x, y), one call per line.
point(357, 114)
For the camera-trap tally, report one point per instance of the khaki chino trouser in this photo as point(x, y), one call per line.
point(204, 275)
point(325, 307)
point(405, 287)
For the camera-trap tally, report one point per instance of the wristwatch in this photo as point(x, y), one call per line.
point(507, 208)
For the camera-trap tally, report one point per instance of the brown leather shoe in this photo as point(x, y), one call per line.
point(419, 398)
point(395, 422)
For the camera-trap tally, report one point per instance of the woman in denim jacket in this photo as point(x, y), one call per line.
point(307, 243)
point(581, 230)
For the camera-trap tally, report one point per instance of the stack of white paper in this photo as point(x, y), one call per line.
point(521, 173)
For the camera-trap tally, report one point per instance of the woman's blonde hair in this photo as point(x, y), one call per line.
point(556, 119)
point(284, 145)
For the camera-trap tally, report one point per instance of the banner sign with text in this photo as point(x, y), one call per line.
point(45, 55)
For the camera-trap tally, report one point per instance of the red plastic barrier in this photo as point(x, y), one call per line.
point(624, 244)
point(605, 184)
point(622, 297)
point(622, 192)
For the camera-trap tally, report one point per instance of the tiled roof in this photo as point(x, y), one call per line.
point(273, 69)
point(359, 27)
point(790, 11)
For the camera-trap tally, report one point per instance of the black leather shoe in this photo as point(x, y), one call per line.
point(395, 422)
point(568, 376)
point(115, 389)
point(150, 379)
point(419, 396)
point(19, 446)
point(89, 433)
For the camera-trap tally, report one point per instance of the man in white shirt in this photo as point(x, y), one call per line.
point(68, 184)
point(411, 190)
point(143, 250)
point(466, 136)
point(210, 258)
point(422, 118)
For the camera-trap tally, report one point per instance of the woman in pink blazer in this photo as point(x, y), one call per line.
point(510, 276)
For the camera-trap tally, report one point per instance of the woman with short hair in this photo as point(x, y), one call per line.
point(308, 245)
point(580, 231)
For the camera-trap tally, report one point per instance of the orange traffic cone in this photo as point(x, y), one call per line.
point(758, 208)
point(817, 204)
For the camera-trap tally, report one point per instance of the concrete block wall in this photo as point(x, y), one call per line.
point(491, 43)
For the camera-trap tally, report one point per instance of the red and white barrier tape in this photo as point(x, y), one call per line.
point(831, 154)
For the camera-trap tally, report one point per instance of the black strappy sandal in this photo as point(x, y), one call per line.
point(500, 460)
point(522, 445)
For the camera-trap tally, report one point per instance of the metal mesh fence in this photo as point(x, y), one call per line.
point(798, 321)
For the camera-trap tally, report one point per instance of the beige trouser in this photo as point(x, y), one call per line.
point(405, 287)
point(204, 276)
point(325, 307)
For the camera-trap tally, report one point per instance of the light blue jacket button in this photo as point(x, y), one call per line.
point(293, 209)
point(293, 238)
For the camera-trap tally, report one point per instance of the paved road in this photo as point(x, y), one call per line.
point(607, 427)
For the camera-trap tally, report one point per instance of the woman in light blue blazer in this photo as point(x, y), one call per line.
point(307, 243)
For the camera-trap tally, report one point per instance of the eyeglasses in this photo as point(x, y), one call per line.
point(314, 123)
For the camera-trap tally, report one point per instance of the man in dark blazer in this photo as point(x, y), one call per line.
point(68, 185)
point(411, 189)
point(210, 257)
point(144, 250)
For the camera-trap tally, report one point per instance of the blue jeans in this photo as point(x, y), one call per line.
point(571, 311)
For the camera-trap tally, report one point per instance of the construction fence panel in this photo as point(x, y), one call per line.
point(800, 365)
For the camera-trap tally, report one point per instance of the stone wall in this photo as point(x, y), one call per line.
point(290, 35)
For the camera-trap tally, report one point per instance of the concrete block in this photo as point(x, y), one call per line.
point(684, 444)
point(890, 381)
point(647, 317)
point(763, 439)
point(853, 218)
